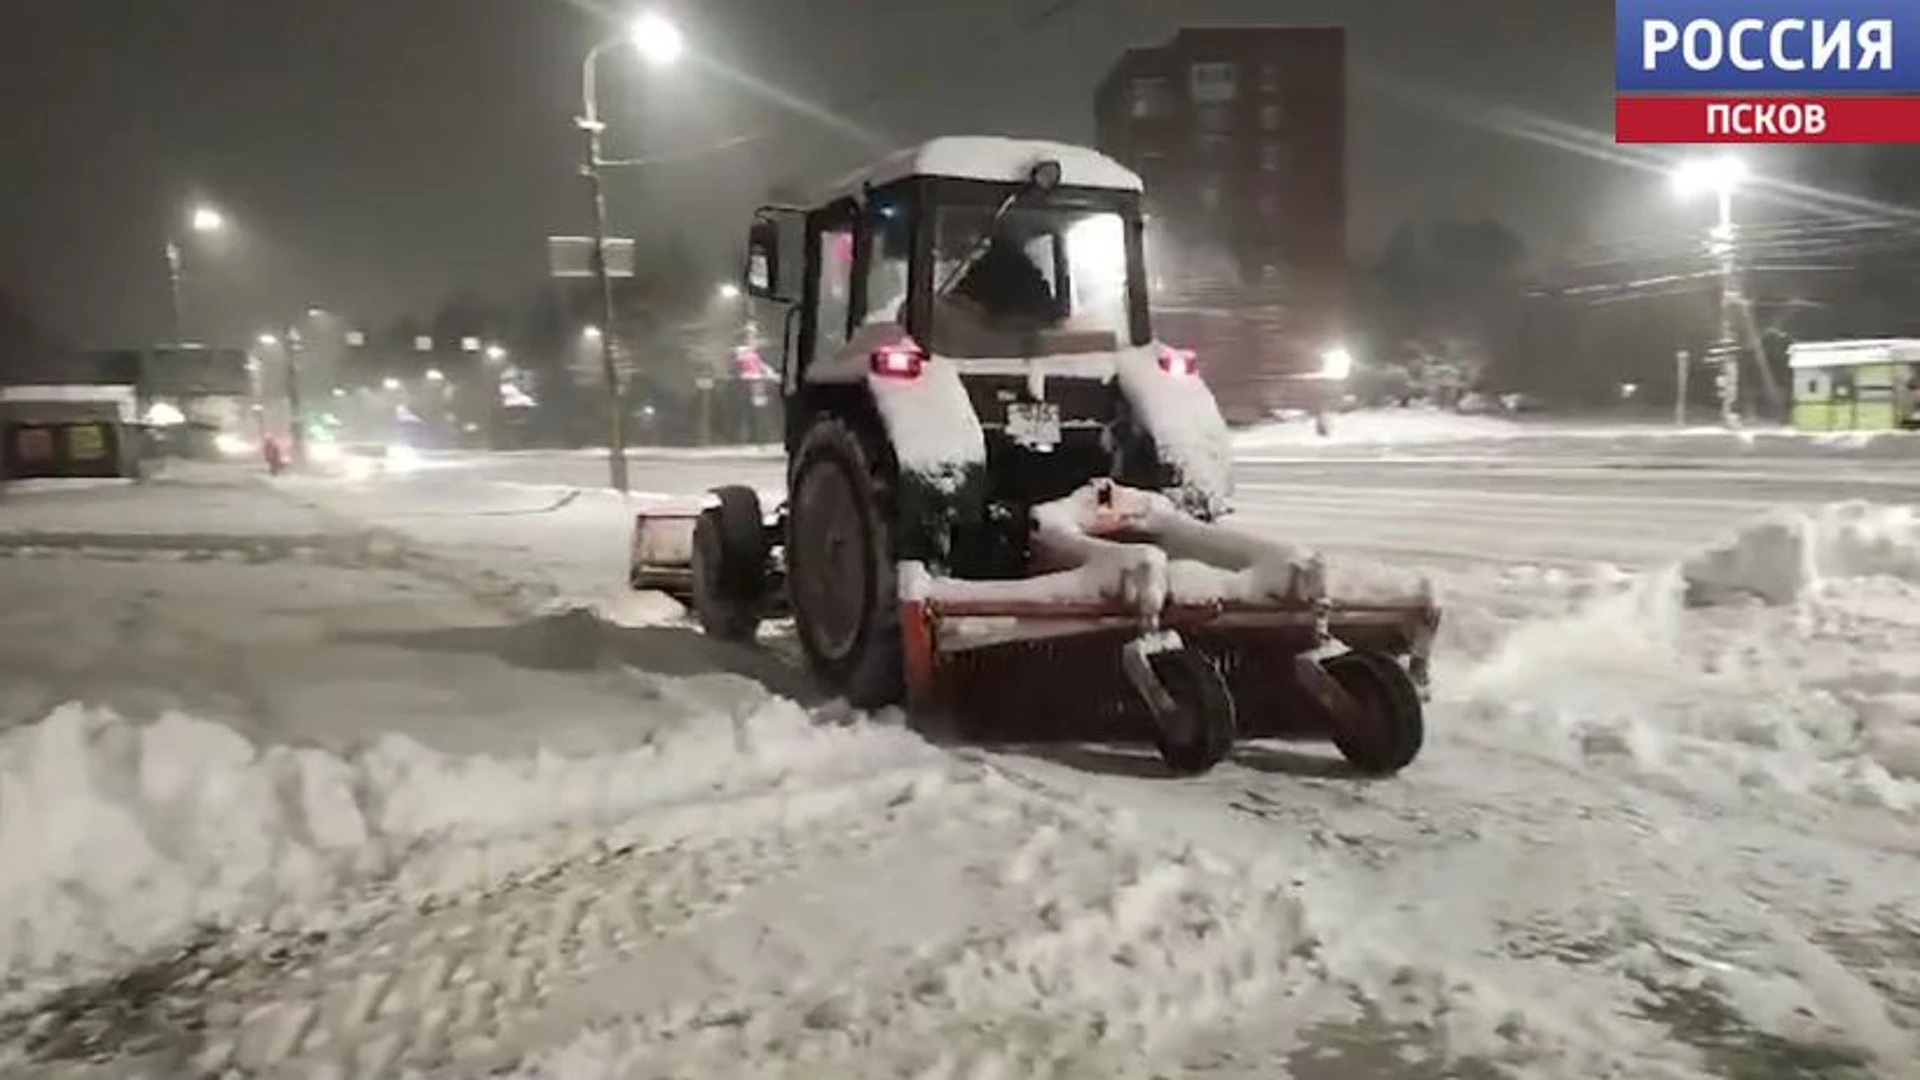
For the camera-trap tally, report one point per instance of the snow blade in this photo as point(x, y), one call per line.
point(1044, 659)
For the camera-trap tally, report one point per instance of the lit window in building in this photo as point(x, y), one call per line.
point(1269, 77)
point(1212, 82)
point(1152, 97)
point(1271, 158)
point(1270, 118)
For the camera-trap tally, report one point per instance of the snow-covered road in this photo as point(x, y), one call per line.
point(1648, 839)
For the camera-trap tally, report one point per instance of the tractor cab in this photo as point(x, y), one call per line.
point(983, 301)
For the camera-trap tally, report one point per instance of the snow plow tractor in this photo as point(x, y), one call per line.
point(1003, 494)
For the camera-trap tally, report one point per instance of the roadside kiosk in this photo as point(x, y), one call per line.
point(1856, 385)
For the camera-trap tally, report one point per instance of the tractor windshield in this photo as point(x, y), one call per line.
point(1051, 281)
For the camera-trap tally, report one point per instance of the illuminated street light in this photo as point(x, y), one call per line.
point(201, 220)
point(268, 340)
point(1336, 364)
point(660, 42)
point(1721, 177)
point(390, 384)
point(496, 353)
point(729, 291)
point(435, 375)
point(591, 333)
point(656, 38)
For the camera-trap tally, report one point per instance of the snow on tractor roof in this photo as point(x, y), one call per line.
point(996, 159)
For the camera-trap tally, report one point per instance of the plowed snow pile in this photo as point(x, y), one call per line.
point(116, 838)
point(1782, 659)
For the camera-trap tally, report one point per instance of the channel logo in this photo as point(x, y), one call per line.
point(1766, 71)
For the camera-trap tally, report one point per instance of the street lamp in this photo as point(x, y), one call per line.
point(203, 221)
point(656, 38)
point(1721, 177)
point(659, 41)
point(496, 353)
point(729, 291)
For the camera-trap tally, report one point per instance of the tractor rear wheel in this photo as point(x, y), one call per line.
point(841, 577)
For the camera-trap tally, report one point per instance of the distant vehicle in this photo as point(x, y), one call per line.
point(365, 460)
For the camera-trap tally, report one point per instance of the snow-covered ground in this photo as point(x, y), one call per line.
point(397, 774)
point(1378, 432)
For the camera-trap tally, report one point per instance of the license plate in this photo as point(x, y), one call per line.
point(1034, 423)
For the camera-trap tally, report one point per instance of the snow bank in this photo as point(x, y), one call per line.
point(1786, 557)
point(1382, 428)
point(1779, 660)
point(1386, 429)
point(117, 838)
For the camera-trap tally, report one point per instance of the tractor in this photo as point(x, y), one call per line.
point(1005, 498)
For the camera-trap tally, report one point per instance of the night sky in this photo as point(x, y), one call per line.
point(376, 155)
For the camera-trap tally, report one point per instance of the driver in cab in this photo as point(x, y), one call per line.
point(1002, 300)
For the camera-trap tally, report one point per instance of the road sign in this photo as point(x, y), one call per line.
point(572, 256)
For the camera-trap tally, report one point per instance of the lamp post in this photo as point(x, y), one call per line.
point(659, 41)
point(203, 220)
point(1721, 177)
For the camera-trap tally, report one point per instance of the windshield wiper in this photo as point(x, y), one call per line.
point(980, 245)
point(1044, 176)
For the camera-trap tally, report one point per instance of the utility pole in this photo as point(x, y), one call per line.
point(1682, 362)
point(297, 428)
point(591, 128)
point(174, 291)
point(1728, 346)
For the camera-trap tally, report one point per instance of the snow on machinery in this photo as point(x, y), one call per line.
point(1003, 493)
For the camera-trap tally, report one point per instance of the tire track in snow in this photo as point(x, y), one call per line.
point(410, 986)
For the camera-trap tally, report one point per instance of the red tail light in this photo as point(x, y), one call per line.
point(1179, 361)
point(903, 360)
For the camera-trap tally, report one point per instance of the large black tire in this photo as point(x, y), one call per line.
point(1203, 732)
point(842, 580)
point(730, 565)
point(1392, 726)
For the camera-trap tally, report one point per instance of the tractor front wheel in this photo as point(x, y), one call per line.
point(730, 565)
